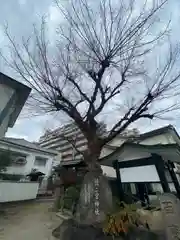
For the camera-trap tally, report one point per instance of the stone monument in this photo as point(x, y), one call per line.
point(170, 206)
point(94, 203)
point(95, 198)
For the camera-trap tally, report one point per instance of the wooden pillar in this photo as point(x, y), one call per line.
point(118, 180)
point(160, 166)
point(170, 166)
point(141, 192)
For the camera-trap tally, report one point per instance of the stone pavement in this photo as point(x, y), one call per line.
point(29, 221)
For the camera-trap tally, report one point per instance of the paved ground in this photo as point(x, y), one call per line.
point(30, 221)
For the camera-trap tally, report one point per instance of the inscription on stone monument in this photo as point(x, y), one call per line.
point(96, 195)
point(95, 199)
point(170, 206)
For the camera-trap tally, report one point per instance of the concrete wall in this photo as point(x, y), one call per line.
point(17, 191)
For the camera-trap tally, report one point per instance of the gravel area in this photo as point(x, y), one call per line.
point(28, 221)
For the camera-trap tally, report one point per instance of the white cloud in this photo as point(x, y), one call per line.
point(54, 14)
point(2, 37)
point(22, 2)
point(14, 135)
point(54, 19)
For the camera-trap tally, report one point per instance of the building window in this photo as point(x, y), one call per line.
point(40, 161)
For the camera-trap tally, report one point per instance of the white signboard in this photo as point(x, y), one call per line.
point(139, 174)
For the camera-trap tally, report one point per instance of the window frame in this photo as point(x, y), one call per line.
point(39, 159)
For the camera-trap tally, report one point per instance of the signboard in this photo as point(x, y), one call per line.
point(139, 174)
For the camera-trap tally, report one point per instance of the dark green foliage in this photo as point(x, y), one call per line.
point(5, 160)
point(11, 177)
point(70, 198)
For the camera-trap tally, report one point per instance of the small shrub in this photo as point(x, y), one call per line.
point(119, 223)
point(11, 177)
point(70, 197)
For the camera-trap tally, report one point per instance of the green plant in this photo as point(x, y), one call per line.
point(5, 160)
point(116, 204)
point(120, 222)
point(11, 177)
point(70, 197)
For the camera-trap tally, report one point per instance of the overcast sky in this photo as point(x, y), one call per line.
point(20, 15)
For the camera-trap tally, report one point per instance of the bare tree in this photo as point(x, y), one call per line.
point(98, 60)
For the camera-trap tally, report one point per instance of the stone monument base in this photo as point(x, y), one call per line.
point(70, 230)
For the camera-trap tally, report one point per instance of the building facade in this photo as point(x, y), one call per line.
point(26, 157)
point(164, 143)
point(61, 140)
point(163, 136)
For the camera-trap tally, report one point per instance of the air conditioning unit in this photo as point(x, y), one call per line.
point(20, 161)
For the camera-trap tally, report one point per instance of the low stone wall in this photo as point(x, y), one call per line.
point(17, 191)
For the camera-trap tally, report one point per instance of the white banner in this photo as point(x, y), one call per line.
point(139, 174)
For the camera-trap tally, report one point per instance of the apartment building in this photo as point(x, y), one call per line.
point(68, 138)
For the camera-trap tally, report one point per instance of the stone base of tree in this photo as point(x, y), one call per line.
point(70, 230)
point(65, 214)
